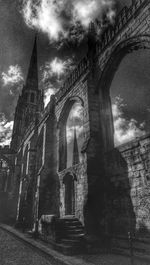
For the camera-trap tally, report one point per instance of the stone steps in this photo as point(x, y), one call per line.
point(73, 227)
point(75, 231)
point(69, 236)
point(70, 242)
point(73, 234)
point(72, 222)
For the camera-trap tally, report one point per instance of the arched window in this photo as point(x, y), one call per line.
point(70, 134)
point(4, 175)
point(25, 162)
point(32, 97)
point(75, 137)
point(39, 150)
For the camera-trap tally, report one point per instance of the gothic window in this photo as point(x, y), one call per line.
point(40, 151)
point(71, 136)
point(32, 97)
point(74, 133)
point(147, 177)
point(25, 162)
point(4, 174)
point(25, 176)
point(28, 118)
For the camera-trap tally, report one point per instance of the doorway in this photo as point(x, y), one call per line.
point(69, 194)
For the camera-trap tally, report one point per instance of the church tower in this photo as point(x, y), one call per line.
point(29, 102)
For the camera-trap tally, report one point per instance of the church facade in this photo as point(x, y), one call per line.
point(104, 187)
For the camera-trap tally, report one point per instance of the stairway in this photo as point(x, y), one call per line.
point(72, 234)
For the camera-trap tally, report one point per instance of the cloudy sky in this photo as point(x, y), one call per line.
point(61, 27)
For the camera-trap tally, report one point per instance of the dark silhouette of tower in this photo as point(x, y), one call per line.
point(29, 102)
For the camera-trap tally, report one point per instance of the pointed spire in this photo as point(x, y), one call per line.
point(75, 149)
point(32, 76)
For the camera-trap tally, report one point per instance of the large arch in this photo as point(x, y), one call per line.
point(103, 88)
point(62, 129)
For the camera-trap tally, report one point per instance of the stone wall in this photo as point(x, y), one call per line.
point(81, 188)
point(128, 168)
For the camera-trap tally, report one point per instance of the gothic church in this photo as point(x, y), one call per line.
point(87, 181)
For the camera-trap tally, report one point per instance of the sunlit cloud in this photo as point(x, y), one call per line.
point(86, 11)
point(53, 75)
point(48, 92)
point(5, 130)
point(57, 68)
point(124, 129)
point(55, 18)
point(44, 16)
point(83, 11)
point(111, 14)
point(12, 76)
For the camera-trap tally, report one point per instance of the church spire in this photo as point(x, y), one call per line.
point(75, 149)
point(30, 102)
point(32, 76)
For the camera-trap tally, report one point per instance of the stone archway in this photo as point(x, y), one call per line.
point(62, 130)
point(93, 215)
point(111, 65)
point(102, 131)
point(69, 199)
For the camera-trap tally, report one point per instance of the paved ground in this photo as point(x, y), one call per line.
point(112, 260)
point(16, 252)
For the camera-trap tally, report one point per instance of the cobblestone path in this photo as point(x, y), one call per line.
point(111, 260)
point(15, 252)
